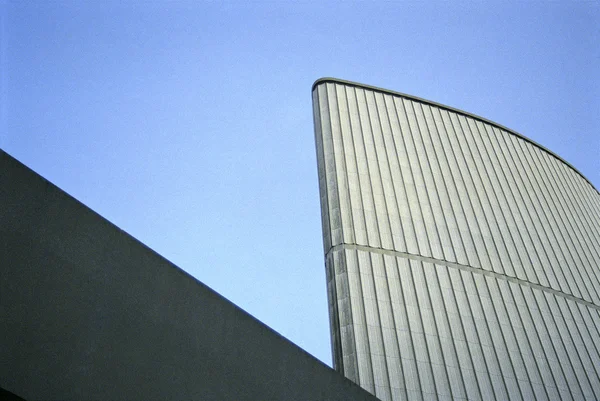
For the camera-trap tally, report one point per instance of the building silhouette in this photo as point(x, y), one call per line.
point(87, 312)
point(462, 259)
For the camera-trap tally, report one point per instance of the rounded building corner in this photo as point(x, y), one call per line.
point(323, 80)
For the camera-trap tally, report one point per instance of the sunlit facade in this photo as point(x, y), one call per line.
point(462, 259)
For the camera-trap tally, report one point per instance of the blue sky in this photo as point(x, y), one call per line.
point(189, 124)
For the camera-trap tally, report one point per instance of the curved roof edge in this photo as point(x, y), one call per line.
point(475, 116)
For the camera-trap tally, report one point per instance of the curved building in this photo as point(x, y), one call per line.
point(463, 259)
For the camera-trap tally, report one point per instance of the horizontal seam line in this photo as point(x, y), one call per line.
point(459, 266)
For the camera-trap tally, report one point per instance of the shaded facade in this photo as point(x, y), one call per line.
point(89, 313)
point(462, 259)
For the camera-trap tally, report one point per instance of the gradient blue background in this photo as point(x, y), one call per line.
point(189, 124)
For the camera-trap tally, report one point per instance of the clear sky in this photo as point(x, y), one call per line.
point(189, 124)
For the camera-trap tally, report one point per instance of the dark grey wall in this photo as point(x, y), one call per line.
point(88, 312)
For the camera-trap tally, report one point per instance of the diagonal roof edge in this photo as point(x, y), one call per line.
point(465, 113)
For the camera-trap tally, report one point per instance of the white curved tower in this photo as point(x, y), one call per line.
point(463, 259)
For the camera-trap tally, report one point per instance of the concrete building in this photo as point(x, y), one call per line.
point(89, 313)
point(463, 259)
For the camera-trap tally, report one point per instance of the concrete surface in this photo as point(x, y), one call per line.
point(462, 258)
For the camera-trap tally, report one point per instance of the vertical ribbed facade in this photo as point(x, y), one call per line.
point(462, 259)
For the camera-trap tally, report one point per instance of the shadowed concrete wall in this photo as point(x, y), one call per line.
point(88, 312)
point(463, 260)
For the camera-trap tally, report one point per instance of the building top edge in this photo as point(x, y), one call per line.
point(453, 109)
